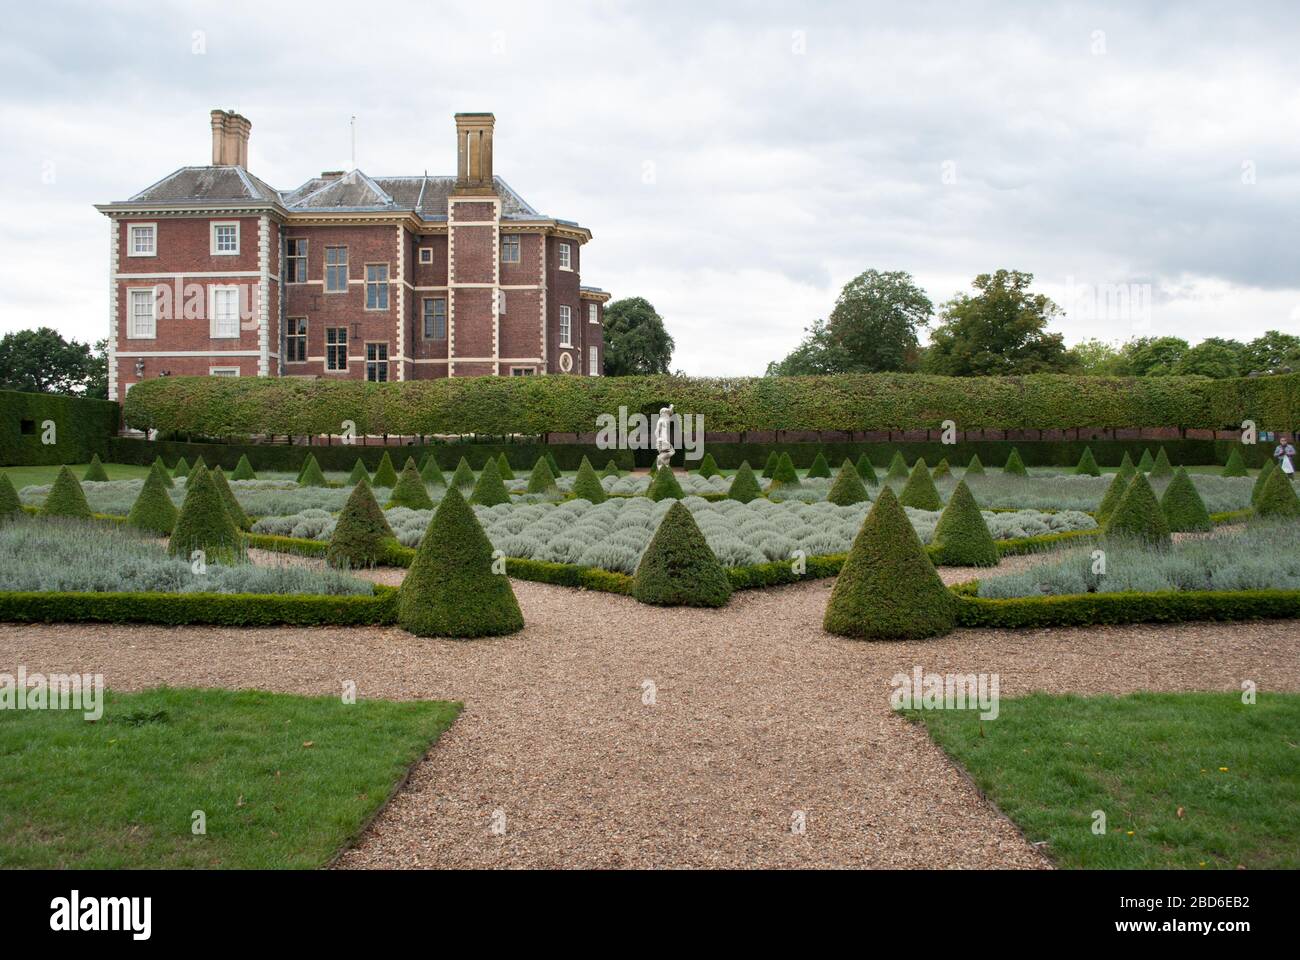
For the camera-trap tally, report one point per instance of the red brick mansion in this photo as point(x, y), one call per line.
point(213, 272)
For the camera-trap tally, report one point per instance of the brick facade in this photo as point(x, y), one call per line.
point(346, 276)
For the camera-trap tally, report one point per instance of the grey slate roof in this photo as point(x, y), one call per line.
point(351, 192)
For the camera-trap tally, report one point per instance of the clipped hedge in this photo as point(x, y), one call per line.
point(81, 428)
point(1088, 609)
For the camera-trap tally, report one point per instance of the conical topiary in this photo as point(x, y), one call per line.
point(941, 469)
point(463, 476)
point(820, 468)
point(1182, 505)
point(1088, 464)
point(665, 486)
point(431, 473)
point(961, 537)
point(975, 468)
point(204, 522)
point(769, 468)
point(785, 474)
point(848, 487)
point(1278, 498)
point(866, 471)
point(888, 588)
point(541, 479)
point(243, 469)
point(1138, 516)
point(1111, 498)
point(586, 485)
point(503, 467)
point(1147, 462)
point(490, 488)
point(237, 514)
point(182, 469)
point(361, 534)
point(897, 467)
point(920, 492)
point(385, 474)
point(409, 490)
point(1264, 473)
point(453, 588)
point(708, 466)
point(1236, 466)
point(744, 485)
point(66, 498)
point(679, 568)
point(311, 475)
point(358, 474)
point(1162, 467)
point(554, 464)
point(95, 471)
point(10, 504)
point(611, 470)
point(1126, 467)
point(1015, 466)
point(153, 509)
point(189, 477)
point(166, 474)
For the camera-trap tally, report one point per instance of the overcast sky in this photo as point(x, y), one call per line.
point(737, 163)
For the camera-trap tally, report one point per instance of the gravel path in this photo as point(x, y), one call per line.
point(757, 717)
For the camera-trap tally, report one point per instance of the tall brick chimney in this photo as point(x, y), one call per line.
point(230, 139)
point(474, 153)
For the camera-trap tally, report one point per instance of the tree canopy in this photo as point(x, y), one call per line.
point(636, 342)
point(41, 361)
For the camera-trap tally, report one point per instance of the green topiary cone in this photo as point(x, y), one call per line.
point(708, 466)
point(153, 509)
point(166, 474)
point(961, 537)
point(975, 468)
point(1278, 498)
point(431, 473)
point(385, 474)
point(866, 471)
point(237, 515)
point(941, 469)
point(611, 470)
point(1146, 463)
point(554, 464)
point(362, 533)
point(1111, 498)
point(820, 468)
point(785, 474)
point(1015, 466)
point(1138, 516)
point(358, 474)
point(409, 490)
point(452, 588)
point(888, 588)
point(586, 486)
point(1265, 472)
point(463, 476)
point(194, 470)
point(1126, 467)
point(678, 568)
point(769, 468)
point(1088, 464)
point(182, 469)
point(897, 467)
point(243, 469)
point(204, 522)
point(66, 498)
point(503, 467)
point(491, 489)
point(744, 485)
point(848, 487)
point(1162, 467)
point(665, 486)
point(10, 504)
point(95, 471)
point(541, 480)
point(920, 492)
point(311, 475)
point(1236, 466)
point(1182, 505)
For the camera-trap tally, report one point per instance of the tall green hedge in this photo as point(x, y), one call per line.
point(81, 428)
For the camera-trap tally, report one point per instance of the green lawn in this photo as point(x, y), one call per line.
point(39, 476)
point(1233, 770)
point(284, 781)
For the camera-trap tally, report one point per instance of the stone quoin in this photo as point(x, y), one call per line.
point(215, 273)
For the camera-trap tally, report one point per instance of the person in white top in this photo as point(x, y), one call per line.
point(1284, 454)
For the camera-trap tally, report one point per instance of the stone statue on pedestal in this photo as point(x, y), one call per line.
point(663, 437)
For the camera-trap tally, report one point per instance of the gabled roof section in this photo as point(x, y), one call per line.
point(207, 184)
point(352, 191)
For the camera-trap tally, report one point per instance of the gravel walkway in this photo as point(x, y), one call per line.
point(757, 718)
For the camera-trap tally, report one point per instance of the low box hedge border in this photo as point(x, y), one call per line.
point(213, 609)
point(1107, 609)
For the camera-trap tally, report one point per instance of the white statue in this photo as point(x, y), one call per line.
point(663, 437)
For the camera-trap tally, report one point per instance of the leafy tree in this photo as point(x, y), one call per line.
point(1154, 356)
point(1096, 358)
point(1000, 330)
point(1213, 357)
point(1272, 351)
point(636, 342)
point(816, 354)
point(41, 361)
